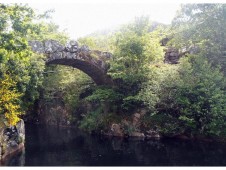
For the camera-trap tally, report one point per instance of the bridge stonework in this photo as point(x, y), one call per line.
point(92, 62)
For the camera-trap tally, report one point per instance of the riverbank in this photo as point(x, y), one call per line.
point(132, 126)
point(51, 146)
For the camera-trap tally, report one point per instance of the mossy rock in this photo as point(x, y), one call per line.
point(2, 128)
point(2, 123)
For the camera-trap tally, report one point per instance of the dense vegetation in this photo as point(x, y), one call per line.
point(186, 98)
point(21, 73)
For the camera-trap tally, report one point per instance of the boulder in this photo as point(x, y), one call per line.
point(153, 134)
point(137, 134)
point(116, 130)
point(136, 119)
point(137, 115)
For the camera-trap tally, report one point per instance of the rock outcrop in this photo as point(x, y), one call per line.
point(11, 140)
point(54, 112)
point(172, 56)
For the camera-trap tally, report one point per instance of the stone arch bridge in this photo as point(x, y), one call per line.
point(92, 62)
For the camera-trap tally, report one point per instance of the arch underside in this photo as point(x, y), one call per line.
point(98, 76)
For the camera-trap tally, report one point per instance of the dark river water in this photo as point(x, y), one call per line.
point(51, 146)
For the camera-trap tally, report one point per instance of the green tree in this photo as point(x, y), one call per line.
point(9, 101)
point(201, 28)
point(19, 24)
point(158, 92)
point(191, 96)
point(201, 96)
point(135, 48)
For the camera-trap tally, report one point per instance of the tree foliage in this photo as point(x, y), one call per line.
point(9, 100)
point(201, 28)
point(193, 94)
point(135, 48)
point(201, 97)
point(18, 25)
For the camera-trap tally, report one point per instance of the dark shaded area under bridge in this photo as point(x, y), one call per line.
point(92, 62)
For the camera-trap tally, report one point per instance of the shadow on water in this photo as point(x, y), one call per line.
point(51, 146)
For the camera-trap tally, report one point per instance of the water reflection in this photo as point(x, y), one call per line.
point(50, 146)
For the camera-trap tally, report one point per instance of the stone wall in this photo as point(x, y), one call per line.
point(11, 140)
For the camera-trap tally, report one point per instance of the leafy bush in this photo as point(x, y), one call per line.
point(97, 120)
point(92, 121)
point(20, 68)
point(131, 103)
point(201, 97)
point(9, 100)
point(102, 94)
point(193, 93)
point(158, 92)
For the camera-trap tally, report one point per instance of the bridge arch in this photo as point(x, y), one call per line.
point(97, 75)
point(92, 62)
